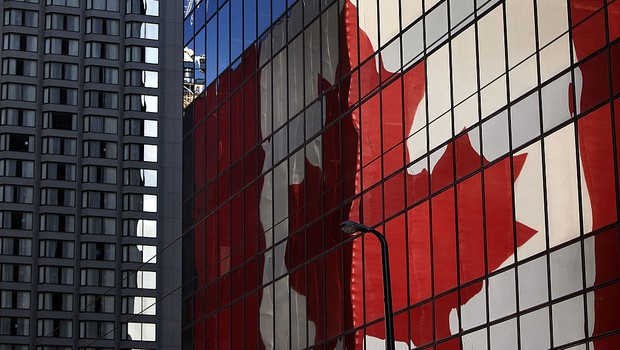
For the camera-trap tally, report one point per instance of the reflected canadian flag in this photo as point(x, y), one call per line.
point(495, 217)
point(439, 132)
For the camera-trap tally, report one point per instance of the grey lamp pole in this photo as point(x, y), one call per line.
point(351, 227)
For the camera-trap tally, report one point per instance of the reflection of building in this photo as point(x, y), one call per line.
point(188, 77)
point(480, 137)
point(87, 164)
point(192, 85)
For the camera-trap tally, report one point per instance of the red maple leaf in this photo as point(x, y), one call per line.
point(451, 223)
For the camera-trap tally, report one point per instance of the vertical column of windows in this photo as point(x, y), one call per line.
point(140, 129)
point(18, 148)
point(59, 149)
point(99, 123)
point(99, 175)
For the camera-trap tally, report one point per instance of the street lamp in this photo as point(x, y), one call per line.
point(351, 227)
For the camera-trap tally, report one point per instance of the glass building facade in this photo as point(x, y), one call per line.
point(480, 136)
point(89, 136)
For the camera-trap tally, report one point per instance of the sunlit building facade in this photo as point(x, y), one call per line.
point(90, 132)
point(481, 137)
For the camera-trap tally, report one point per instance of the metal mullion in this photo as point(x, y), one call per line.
point(215, 113)
point(513, 177)
point(302, 114)
point(256, 181)
point(288, 177)
point(270, 246)
point(612, 109)
point(454, 172)
point(319, 100)
point(546, 251)
point(573, 99)
point(358, 168)
point(341, 205)
point(425, 129)
point(240, 162)
point(376, 56)
point(403, 144)
point(482, 182)
point(230, 166)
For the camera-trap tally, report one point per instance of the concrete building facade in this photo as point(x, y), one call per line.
point(89, 173)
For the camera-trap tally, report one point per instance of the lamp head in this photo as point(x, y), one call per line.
point(351, 227)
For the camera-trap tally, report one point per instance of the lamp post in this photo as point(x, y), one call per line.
point(351, 227)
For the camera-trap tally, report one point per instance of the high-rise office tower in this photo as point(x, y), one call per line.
point(89, 142)
point(480, 136)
